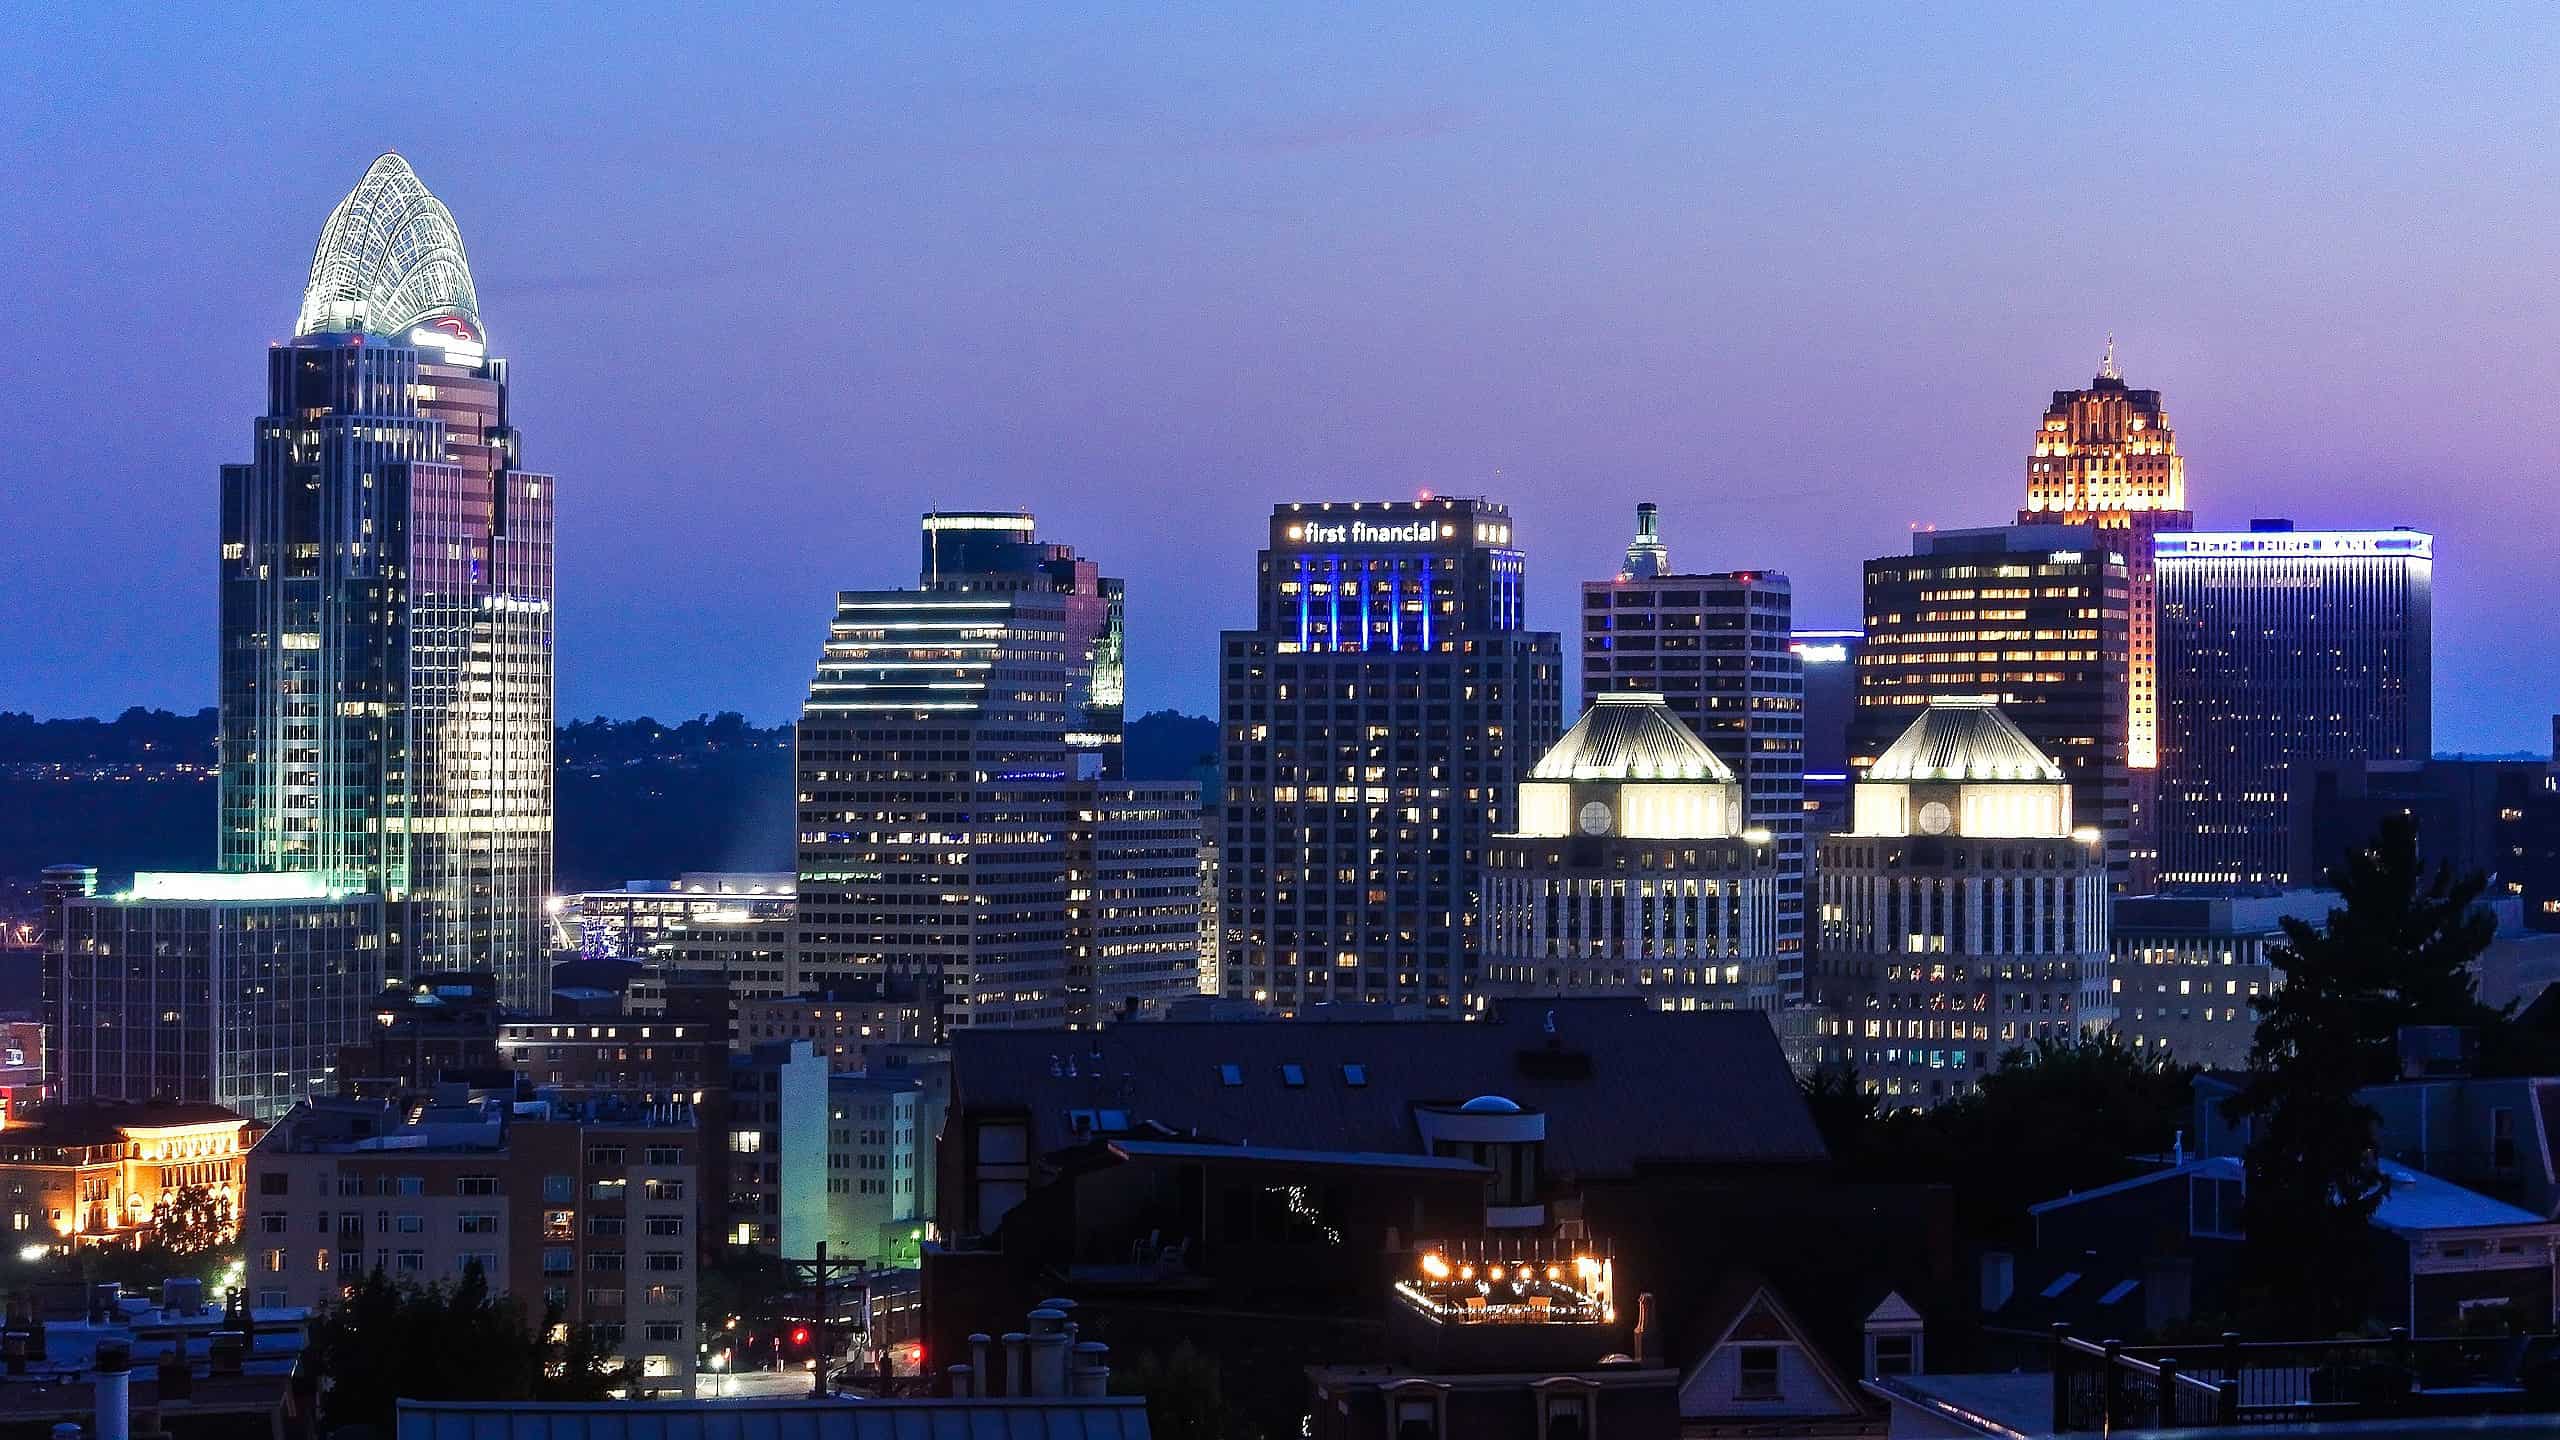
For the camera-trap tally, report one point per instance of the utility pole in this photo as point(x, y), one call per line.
point(819, 1272)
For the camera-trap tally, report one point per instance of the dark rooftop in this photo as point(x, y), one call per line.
point(1621, 1085)
point(103, 1122)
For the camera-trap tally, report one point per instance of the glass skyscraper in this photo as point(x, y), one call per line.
point(955, 834)
point(1375, 722)
point(2280, 647)
point(386, 589)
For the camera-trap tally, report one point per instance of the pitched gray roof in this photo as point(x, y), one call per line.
point(1620, 1084)
point(1628, 735)
point(1963, 739)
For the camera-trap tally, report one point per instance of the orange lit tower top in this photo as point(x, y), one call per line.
point(2107, 456)
point(2104, 451)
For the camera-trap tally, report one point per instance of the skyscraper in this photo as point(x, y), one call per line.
point(1375, 721)
point(996, 550)
point(1963, 914)
point(2280, 647)
point(386, 587)
point(949, 804)
point(1717, 648)
point(2107, 456)
point(1632, 871)
point(2031, 616)
point(1828, 663)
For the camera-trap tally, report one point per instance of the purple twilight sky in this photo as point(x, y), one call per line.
point(774, 284)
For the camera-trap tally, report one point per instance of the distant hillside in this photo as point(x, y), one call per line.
point(1169, 745)
point(635, 799)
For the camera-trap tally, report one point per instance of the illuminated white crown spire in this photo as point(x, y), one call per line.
point(389, 260)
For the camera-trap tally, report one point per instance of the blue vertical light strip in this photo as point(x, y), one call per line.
point(1333, 608)
point(1304, 601)
point(1427, 602)
point(1365, 588)
point(1395, 608)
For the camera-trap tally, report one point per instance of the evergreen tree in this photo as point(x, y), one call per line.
point(2396, 951)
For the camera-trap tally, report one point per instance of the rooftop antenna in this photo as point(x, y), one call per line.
point(2107, 366)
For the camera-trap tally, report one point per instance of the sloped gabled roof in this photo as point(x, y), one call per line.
point(1965, 738)
point(1630, 735)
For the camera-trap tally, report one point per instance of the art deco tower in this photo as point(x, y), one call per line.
point(386, 643)
point(2107, 456)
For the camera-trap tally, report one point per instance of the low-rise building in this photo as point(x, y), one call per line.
point(776, 1150)
point(874, 1134)
point(589, 1207)
point(102, 1172)
point(2182, 968)
point(846, 1022)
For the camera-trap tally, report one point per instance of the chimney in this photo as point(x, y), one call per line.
point(13, 1351)
point(1048, 1347)
point(1999, 1279)
point(1648, 1336)
point(225, 1352)
point(1089, 1374)
point(1013, 1343)
point(114, 1381)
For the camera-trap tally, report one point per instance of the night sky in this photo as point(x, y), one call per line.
point(773, 286)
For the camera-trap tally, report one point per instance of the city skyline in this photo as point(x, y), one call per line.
point(1319, 310)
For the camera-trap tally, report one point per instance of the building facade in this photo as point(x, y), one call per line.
point(1719, 649)
point(98, 1173)
point(1133, 897)
point(587, 1207)
point(2183, 969)
point(2498, 817)
point(228, 990)
point(2034, 617)
point(1634, 871)
point(385, 590)
point(934, 761)
point(1828, 662)
point(1963, 914)
point(1374, 723)
point(2279, 649)
point(875, 1208)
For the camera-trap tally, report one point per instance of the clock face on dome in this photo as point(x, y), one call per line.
point(1934, 818)
point(1595, 819)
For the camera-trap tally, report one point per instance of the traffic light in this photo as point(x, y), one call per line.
point(799, 1337)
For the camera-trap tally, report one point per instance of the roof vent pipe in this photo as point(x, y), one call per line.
point(1013, 1342)
point(115, 1389)
point(1089, 1375)
point(978, 1343)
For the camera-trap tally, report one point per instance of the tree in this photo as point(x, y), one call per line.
point(2395, 952)
point(1186, 1396)
point(195, 1220)
point(391, 1342)
point(2053, 1117)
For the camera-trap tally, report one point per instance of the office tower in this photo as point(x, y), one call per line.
point(1133, 897)
point(995, 551)
point(1375, 720)
point(1716, 648)
point(386, 658)
point(1828, 662)
point(2107, 456)
point(232, 990)
point(2031, 616)
point(1962, 913)
point(953, 736)
point(1633, 871)
point(2280, 648)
